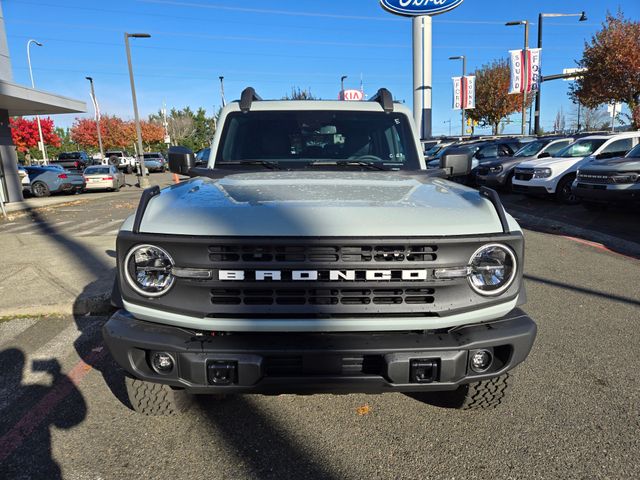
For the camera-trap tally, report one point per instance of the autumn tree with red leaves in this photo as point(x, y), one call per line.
point(25, 133)
point(612, 60)
point(116, 133)
point(493, 101)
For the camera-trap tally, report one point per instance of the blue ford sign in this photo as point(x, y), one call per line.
point(413, 8)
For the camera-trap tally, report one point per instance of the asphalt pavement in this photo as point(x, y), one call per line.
point(573, 411)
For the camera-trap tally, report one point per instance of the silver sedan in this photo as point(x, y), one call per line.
point(103, 177)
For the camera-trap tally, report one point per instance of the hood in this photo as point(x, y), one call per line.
point(552, 162)
point(372, 204)
point(619, 164)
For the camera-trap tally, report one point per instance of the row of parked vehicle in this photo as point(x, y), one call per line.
point(154, 161)
point(594, 169)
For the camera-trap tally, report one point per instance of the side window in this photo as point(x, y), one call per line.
point(621, 146)
point(556, 147)
point(504, 151)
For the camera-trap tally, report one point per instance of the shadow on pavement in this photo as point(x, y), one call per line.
point(25, 437)
point(267, 451)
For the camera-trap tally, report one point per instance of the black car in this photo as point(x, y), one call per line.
point(72, 160)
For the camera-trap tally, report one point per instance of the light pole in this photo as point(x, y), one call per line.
point(342, 79)
point(33, 85)
point(541, 16)
point(464, 72)
point(143, 180)
point(97, 110)
point(449, 122)
point(525, 70)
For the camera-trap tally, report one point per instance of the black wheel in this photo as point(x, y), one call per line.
point(40, 189)
point(129, 170)
point(508, 186)
point(481, 395)
point(156, 399)
point(564, 192)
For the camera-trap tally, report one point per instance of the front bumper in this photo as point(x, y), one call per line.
point(530, 190)
point(492, 180)
point(623, 193)
point(276, 363)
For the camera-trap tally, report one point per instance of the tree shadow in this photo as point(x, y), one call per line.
point(25, 435)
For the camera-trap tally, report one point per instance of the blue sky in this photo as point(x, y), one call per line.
point(276, 45)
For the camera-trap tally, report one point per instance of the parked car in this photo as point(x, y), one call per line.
point(498, 173)
point(46, 180)
point(155, 162)
point(614, 180)
point(103, 177)
point(554, 176)
point(24, 179)
point(122, 160)
point(72, 160)
point(202, 157)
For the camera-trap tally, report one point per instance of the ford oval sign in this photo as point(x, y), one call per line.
point(412, 8)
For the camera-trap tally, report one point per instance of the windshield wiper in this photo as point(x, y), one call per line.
point(349, 163)
point(265, 163)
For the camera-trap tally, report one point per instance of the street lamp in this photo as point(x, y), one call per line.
point(42, 148)
point(143, 180)
point(525, 69)
point(342, 79)
point(449, 122)
point(583, 18)
point(464, 72)
point(97, 110)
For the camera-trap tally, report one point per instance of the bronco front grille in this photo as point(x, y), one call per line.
point(322, 254)
point(323, 296)
point(525, 174)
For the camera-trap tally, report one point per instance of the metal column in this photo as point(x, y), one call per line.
point(422, 75)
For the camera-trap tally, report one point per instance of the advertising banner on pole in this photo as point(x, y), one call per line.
point(518, 73)
point(464, 92)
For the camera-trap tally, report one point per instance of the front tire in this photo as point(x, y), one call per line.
point(482, 395)
point(564, 193)
point(156, 399)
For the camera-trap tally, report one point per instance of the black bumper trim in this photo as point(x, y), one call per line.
point(315, 362)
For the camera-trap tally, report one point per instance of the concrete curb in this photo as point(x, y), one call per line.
point(92, 304)
point(618, 245)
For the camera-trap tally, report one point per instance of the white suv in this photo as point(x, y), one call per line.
point(554, 176)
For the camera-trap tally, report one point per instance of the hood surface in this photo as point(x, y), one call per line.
point(375, 204)
point(619, 164)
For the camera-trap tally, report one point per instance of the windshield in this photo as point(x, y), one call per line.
point(294, 139)
point(151, 155)
point(581, 148)
point(96, 171)
point(530, 149)
point(113, 154)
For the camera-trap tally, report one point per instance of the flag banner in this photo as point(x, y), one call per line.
point(469, 91)
point(517, 79)
point(535, 55)
point(517, 70)
point(457, 93)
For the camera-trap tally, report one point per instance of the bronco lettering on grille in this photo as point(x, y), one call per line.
point(331, 275)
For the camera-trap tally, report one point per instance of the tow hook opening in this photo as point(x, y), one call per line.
point(423, 370)
point(222, 372)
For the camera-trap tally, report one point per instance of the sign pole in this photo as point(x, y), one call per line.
point(422, 28)
point(463, 81)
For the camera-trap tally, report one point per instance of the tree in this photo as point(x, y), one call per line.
point(590, 119)
point(493, 101)
point(298, 94)
point(25, 135)
point(116, 133)
point(559, 122)
point(186, 128)
point(612, 60)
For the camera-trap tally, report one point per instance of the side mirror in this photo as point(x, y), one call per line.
point(457, 162)
point(544, 155)
point(181, 160)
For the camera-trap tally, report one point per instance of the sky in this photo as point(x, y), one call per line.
point(274, 46)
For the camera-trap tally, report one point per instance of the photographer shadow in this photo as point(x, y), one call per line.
point(25, 423)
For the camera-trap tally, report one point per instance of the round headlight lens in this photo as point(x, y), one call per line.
point(148, 270)
point(493, 268)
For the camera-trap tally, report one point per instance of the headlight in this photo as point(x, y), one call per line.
point(625, 178)
point(495, 168)
point(148, 270)
point(492, 269)
point(541, 173)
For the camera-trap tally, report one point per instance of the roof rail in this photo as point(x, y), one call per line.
point(385, 99)
point(248, 96)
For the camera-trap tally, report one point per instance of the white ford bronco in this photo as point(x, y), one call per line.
point(315, 253)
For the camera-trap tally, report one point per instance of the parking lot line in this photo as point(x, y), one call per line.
point(100, 227)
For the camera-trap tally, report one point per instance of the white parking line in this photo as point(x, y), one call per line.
point(22, 227)
point(78, 226)
point(99, 228)
point(46, 226)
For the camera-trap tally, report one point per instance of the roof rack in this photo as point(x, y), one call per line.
point(385, 99)
point(248, 96)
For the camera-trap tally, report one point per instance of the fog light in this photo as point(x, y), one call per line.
point(162, 362)
point(481, 360)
